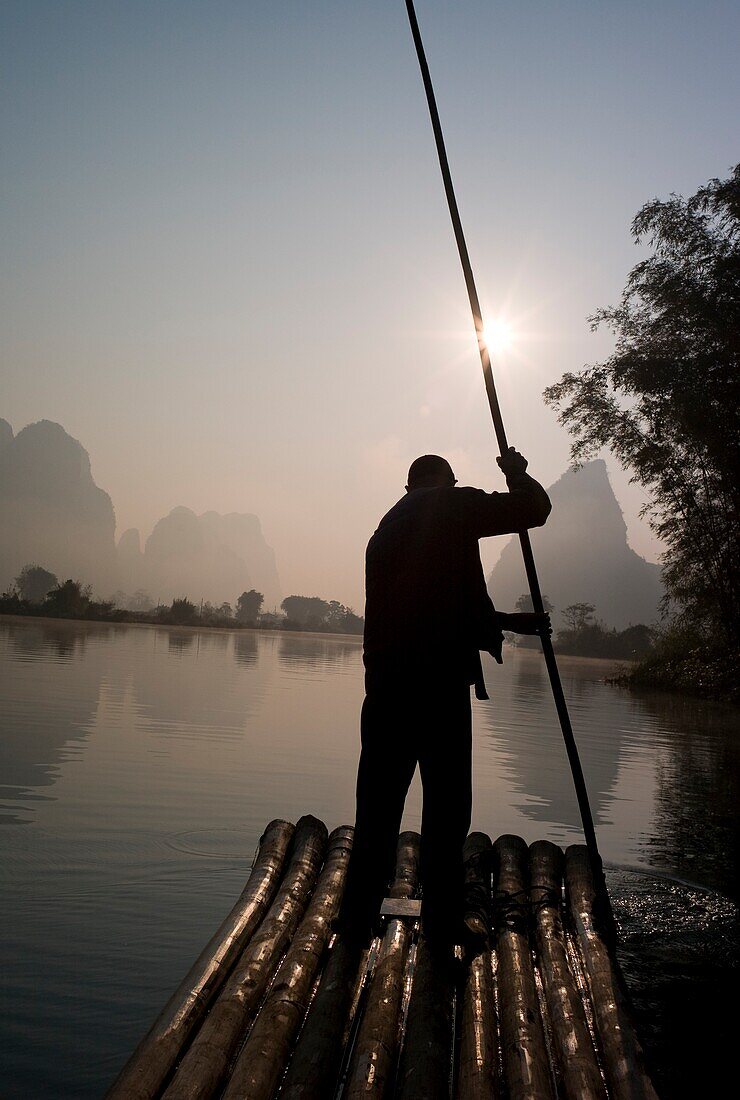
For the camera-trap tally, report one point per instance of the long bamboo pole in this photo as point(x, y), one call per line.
point(498, 424)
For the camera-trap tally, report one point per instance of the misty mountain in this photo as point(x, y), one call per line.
point(210, 556)
point(52, 511)
point(583, 556)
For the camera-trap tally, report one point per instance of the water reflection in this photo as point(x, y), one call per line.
point(57, 639)
point(58, 678)
point(696, 790)
point(178, 641)
point(144, 763)
point(521, 722)
point(36, 727)
point(246, 648)
point(309, 652)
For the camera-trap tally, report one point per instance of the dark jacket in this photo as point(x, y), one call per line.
point(426, 602)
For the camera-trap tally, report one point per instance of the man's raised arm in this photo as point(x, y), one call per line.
point(525, 505)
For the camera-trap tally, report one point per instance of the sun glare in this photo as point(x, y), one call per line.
point(499, 335)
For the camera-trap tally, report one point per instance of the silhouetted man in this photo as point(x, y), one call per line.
point(427, 616)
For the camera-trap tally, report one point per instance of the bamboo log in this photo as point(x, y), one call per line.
point(426, 1058)
point(523, 1049)
point(372, 1065)
point(206, 1063)
point(477, 1077)
point(623, 1057)
point(575, 1057)
point(154, 1058)
point(263, 1058)
point(314, 1068)
point(477, 860)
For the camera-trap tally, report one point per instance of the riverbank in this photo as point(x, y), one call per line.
point(105, 612)
point(681, 665)
point(678, 672)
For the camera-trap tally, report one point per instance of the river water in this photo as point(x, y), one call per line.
point(140, 765)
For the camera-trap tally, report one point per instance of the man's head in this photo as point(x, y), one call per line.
point(430, 472)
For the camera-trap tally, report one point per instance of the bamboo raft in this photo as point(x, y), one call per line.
point(277, 1006)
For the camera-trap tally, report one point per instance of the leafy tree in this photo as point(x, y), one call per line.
point(248, 606)
point(182, 611)
point(637, 640)
point(524, 604)
point(596, 640)
point(343, 620)
point(225, 611)
point(309, 612)
point(667, 400)
point(33, 583)
point(69, 600)
point(578, 615)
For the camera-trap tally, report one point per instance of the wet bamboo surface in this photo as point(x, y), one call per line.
point(532, 1007)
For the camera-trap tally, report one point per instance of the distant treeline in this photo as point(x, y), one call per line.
point(585, 636)
point(36, 591)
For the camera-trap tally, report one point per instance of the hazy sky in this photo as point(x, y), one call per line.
point(228, 267)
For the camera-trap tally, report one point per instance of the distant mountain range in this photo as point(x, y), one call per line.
point(53, 514)
point(211, 556)
point(583, 556)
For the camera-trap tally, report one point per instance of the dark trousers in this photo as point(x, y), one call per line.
point(400, 727)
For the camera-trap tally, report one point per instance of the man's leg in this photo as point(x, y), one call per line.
point(445, 764)
point(387, 763)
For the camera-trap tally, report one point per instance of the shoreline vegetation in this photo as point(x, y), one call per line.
point(672, 659)
point(38, 593)
point(684, 662)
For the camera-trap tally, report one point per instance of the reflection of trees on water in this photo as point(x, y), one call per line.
point(311, 652)
point(179, 684)
point(183, 640)
point(34, 727)
point(206, 693)
point(697, 790)
point(691, 748)
point(56, 638)
point(180, 641)
point(246, 648)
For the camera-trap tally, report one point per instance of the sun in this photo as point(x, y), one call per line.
point(498, 335)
